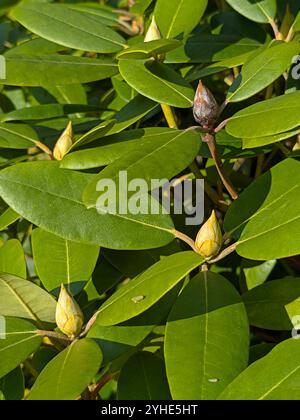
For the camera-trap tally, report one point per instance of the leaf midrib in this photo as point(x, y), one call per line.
point(82, 205)
point(95, 62)
point(146, 156)
point(19, 298)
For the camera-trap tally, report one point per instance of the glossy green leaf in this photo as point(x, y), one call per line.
point(218, 67)
point(8, 217)
point(143, 377)
point(108, 16)
point(132, 263)
point(12, 385)
point(256, 273)
point(92, 135)
point(12, 258)
point(266, 118)
point(207, 48)
point(69, 94)
point(263, 218)
point(17, 136)
point(42, 70)
point(22, 298)
point(35, 46)
point(119, 339)
point(72, 28)
point(296, 25)
point(59, 209)
point(157, 82)
point(145, 50)
point(132, 112)
point(263, 141)
point(17, 343)
point(282, 381)
point(180, 17)
point(258, 10)
point(69, 373)
point(151, 285)
point(142, 162)
point(207, 320)
point(42, 112)
point(113, 148)
point(262, 70)
point(60, 261)
point(266, 304)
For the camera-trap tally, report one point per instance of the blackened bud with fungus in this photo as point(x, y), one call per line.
point(206, 110)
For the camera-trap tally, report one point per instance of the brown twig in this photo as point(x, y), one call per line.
point(185, 239)
point(212, 145)
point(224, 254)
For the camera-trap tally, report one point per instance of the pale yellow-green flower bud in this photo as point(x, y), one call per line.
point(64, 143)
point(153, 32)
point(209, 239)
point(69, 317)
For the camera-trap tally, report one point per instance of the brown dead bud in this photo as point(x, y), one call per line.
point(206, 110)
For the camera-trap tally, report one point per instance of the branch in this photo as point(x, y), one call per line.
point(211, 142)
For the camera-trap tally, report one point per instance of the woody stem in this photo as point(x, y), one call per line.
point(212, 145)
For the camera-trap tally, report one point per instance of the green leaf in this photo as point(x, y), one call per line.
point(266, 118)
point(8, 217)
point(69, 373)
point(142, 161)
point(207, 320)
point(35, 46)
point(72, 28)
point(263, 141)
point(12, 385)
point(258, 10)
point(44, 70)
point(179, 19)
point(92, 135)
point(282, 381)
point(207, 48)
point(218, 67)
point(60, 261)
point(108, 16)
point(122, 338)
point(266, 303)
point(144, 50)
point(12, 258)
point(296, 25)
point(150, 286)
point(157, 82)
point(256, 273)
point(23, 299)
point(114, 147)
point(58, 209)
point(132, 112)
point(69, 94)
point(46, 111)
point(104, 278)
point(262, 70)
point(17, 343)
point(143, 377)
point(263, 218)
point(17, 136)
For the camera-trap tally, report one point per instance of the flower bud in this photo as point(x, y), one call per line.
point(64, 143)
point(209, 239)
point(69, 317)
point(206, 110)
point(153, 32)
